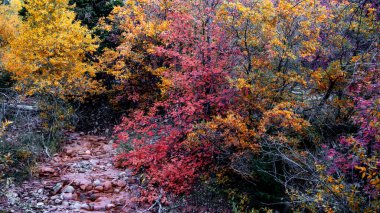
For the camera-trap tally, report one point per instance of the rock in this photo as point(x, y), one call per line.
point(12, 198)
point(94, 161)
point(85, 182)
point(107, 185)
point(40, 191)
point(69, 152)
point(116, 190)
point(88, 152)
point(99, 188)
point(83, 187)
point(85, 207)
point(57, 187)
point(93, 197)
point(100, 199)
point(99, 208)
point(121, 183)
point(44, 170)
point(86, 157)
point(68, 189)
point(89, 187)
point(110, 206)
point(119, 202)
point(54, 197)
point(76, 206)
point(97, 183)
point(132, 180)
point(121, 175)
point(40, 205)
point(58, 201)
point(67, 196)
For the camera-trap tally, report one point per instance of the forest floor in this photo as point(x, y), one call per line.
point(81, 178)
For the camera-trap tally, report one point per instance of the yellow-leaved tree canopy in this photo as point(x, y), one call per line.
point(49, 55)
point(9, 24)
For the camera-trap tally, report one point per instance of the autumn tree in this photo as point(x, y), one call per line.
point(133, 33)
point(195, 88)
point(90, 11)
point(249, 91)
point(48, 55)
point(9, 26)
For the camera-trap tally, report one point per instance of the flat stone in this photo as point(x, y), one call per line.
point(67, 196)
point(99, 208)
point(86, 157)
point(121, 174)
point(97, 183)
point(46, 170)
point(85, 207)
point(70, 152)
point(54, 197)
point(99, 188)
point(100, 199)
point(119, 202)
point(107, 185)
point(110, 206)
point(93, 197)
point(68, 189)
point(89, 187)
point(121, 183)
point(57, 201)
point(94, 161)
point(57, 187)
point(83, 187)
point(76, 206)
point(40, 205)
point(132, 180)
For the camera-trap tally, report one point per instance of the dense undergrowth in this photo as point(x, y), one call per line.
point(268, 104)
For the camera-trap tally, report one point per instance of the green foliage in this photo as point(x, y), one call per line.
point(90, 11)
point(5, 79)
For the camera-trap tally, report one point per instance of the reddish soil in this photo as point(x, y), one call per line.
point(81, 178)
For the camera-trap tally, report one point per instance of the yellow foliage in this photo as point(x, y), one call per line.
point(282, 116)
point(48, 56)
point(229, 131)
point(333, 74)
point(9, 24)
point(140, 33)
point(4, 126)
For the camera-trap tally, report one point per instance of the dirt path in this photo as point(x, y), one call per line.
point(79, 179)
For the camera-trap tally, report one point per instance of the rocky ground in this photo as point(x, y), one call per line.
point(79, 179)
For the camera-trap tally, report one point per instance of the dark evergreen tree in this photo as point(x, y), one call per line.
point(89, 11)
